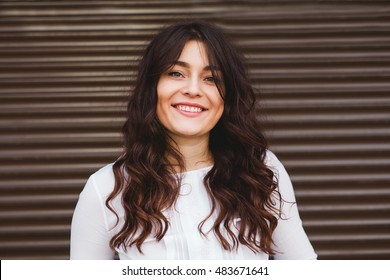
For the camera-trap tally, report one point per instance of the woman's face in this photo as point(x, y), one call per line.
point(189, 104)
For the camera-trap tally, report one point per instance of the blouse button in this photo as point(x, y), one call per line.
point(185, 189)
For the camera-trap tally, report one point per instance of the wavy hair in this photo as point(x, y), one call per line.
point(239, 184)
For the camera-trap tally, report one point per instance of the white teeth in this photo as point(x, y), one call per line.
point(189, 109)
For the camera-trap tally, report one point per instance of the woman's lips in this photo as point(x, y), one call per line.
point(189, 109)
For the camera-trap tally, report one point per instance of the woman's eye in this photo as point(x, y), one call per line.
point(211, 79)
point(175, 74)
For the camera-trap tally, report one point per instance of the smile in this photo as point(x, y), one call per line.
point(189, 109)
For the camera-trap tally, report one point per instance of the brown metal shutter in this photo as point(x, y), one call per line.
point(323, 70)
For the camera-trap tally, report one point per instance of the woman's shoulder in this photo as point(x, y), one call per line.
point(285, 186)
point(280, 172)
point(271, 160)
point(103, 180)
point(104, 172)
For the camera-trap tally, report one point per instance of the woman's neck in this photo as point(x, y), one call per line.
point(195, 152)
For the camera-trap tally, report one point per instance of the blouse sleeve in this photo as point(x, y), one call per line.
point(291, 241)
point(89, 231)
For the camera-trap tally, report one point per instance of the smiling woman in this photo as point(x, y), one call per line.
point(189, 104)
point(195, 180)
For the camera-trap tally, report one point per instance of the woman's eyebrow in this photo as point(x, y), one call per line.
point(187, 65)
point(182, 63)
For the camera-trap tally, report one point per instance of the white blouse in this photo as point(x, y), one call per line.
point(93, 224)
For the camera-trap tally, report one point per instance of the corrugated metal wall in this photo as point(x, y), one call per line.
point(323, 69)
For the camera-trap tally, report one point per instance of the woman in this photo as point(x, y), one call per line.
point(195, 180)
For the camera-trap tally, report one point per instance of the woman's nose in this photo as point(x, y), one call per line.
point(193, 87)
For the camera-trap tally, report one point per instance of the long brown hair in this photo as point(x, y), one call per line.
point(239, 184)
